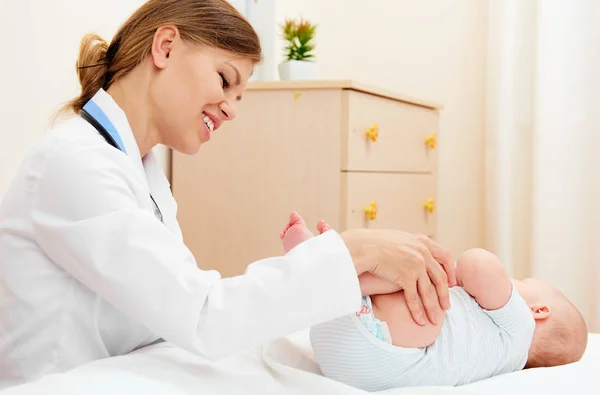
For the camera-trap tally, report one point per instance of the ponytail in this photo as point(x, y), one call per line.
point(92, 69)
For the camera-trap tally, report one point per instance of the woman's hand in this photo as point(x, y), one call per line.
point(419, 266)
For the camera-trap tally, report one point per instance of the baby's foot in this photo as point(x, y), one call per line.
point(295, 232)
point(323, 226)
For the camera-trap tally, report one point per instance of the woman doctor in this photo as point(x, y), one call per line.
point(92, 262)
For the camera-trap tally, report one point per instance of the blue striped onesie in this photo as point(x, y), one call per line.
point(473, 344)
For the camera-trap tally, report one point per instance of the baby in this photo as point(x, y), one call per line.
point(495, 325)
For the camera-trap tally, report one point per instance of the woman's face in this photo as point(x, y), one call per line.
point(193, 90)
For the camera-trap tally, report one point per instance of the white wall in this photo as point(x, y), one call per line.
point(40, 46)
point(429, 48)
point(435, 49)
point(565, 162)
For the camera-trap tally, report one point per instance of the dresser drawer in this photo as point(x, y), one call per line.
point(388, 135)
point(389, 200)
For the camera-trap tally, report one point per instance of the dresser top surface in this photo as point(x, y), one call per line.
point(341, 84)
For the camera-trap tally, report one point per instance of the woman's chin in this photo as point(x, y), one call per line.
point(195, 147)
point(192, 150)
point(189, 148)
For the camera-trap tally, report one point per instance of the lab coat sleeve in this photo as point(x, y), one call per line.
point(89, 220)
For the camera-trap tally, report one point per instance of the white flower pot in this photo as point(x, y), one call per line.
point(297, 70)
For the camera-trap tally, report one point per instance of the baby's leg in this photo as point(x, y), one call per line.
point(369, 284)
point(389, 305)
point(373, 285)
point(295, 232)
point(405, 332)
point(323, 226)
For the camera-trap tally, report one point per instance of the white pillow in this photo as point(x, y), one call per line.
point(579, 378)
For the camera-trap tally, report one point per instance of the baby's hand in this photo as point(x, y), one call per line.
point(295, 232)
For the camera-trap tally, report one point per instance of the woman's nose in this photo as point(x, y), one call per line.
point(228, 110)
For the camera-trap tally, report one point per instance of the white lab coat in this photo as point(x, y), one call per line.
point(87, 271)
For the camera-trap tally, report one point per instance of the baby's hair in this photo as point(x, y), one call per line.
point(565, 340)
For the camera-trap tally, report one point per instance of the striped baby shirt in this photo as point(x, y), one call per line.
point(474, 344)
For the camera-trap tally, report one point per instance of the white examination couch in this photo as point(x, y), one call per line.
point(282, 367)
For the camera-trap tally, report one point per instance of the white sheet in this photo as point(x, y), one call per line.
point(282, 367)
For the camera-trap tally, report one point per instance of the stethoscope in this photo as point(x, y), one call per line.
point(94, 115)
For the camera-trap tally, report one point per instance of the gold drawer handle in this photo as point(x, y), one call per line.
point(371, 210)
point(430, 205)
point(373, 132)
point(431, 141)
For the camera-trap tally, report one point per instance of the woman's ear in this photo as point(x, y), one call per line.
point(540, 311)
point(162, 45)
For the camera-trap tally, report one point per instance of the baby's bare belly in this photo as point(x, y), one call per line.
point(405, 332)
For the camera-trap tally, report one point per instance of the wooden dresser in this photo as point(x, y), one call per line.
point(353, 155)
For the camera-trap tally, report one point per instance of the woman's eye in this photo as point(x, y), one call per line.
point(224, 81)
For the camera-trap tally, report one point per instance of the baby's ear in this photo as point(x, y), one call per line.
point(540, 311)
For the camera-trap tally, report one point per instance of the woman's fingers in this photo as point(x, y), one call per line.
point(413, 301)
point(450, 269)
point(432, 287)
point(443, 257)
point(421, 295)
point(438, 277)
point(430, 299)
point(419, 266)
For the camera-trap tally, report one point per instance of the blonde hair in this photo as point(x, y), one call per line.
point(214, 23)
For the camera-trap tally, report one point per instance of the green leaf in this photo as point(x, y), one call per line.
point(299, 36)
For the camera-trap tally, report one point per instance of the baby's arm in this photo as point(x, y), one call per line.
point(482, 275)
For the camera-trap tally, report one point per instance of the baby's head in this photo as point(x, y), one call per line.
point(560, 335)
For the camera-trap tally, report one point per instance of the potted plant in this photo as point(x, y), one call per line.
point(299, 63)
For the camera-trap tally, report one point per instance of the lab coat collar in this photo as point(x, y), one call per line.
point(149, 167)
point(119, 120)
